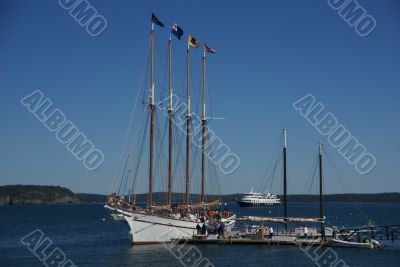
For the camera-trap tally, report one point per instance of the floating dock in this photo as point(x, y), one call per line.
point(274, 241)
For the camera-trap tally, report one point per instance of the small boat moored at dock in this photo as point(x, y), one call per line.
point(367, 244)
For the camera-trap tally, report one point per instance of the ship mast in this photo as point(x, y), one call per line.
point(152, 109)
point(188, 118)
point(204, 128)
point(170, 112)
point(321, 209)
point(285, 210)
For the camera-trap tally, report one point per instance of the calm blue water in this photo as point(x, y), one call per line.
point(88, 240)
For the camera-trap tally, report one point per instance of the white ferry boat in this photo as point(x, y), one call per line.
point(258, 199)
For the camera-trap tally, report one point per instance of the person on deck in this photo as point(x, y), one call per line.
point(209, 213)
point(198, 228)
point(305, 231)
point(204, 229)
point(221, 230)
point(271, 231)
point(323, 235)
point(334, 232)
point(132, 205)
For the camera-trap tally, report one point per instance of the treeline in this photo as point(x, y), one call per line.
point(160, 197)
point(35, 194)
point(377, 198)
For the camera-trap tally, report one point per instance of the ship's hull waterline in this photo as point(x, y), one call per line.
point(244, 204)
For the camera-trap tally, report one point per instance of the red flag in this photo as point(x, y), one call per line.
point(209, 49)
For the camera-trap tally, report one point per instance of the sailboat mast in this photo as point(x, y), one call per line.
point(152, 108)
point(285, 210)
point(321, 186)
point(204, 128)
point(188, 117)
point(170, 112)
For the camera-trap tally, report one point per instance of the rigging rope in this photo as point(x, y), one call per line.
point(344, 187)
point(304, 137)
point(122, 178)
point(130, 121)
point(276, 153)
point(139, 159)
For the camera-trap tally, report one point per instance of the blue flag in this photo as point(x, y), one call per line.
point(177, 31)
point(156, 21)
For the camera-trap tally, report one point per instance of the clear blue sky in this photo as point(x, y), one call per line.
point(269, 54)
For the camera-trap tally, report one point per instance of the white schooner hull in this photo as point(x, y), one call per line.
point(151, 229)
point(147, 229)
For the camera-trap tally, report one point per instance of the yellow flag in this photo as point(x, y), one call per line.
point(193, 41)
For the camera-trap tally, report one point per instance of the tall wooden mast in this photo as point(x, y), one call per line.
point(321, 186)
point(170, 112)
point(285, 209)
point(152, 109)
point(188, 118)
point(204, 128)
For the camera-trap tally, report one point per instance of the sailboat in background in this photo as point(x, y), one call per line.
point(163, 223)
point(286, 220)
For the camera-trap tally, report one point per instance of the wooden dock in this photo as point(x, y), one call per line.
point(267, 242)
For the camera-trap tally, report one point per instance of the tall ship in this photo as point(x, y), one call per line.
point(253, 199)
point(171, 217)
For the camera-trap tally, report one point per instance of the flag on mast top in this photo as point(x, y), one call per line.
point(193, 41)
point(177, 31)
point(156, 21)
point(208, 49)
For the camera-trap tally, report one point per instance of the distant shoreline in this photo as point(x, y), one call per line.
point(47, 195)
point(295, 198)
